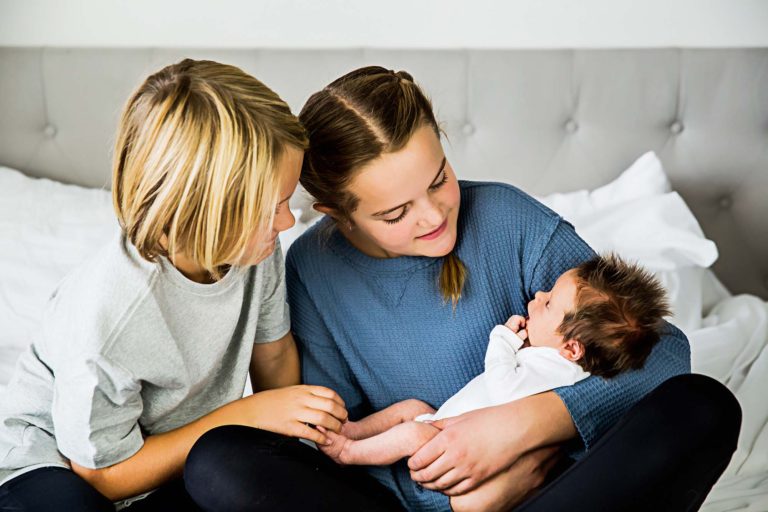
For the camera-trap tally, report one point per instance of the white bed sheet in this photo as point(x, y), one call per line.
point(46, 228)
point(640, 218)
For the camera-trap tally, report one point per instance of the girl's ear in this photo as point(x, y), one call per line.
point(327, 210)
point(572, 350)
point(342, 222)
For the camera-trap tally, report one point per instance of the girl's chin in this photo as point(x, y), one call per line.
point(437, 249)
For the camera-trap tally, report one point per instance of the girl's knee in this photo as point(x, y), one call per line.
point(694, 413)
point(706, 404)
point(225, 465)
point(220, 448)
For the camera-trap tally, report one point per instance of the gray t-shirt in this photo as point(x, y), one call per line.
point(128, 349)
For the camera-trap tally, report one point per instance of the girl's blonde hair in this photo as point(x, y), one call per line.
point(196, 160)
point(353, 121)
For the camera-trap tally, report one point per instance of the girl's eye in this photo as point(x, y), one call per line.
point(398, 218)
point(440, 183)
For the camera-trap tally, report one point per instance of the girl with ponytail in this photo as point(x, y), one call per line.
point(393, 293)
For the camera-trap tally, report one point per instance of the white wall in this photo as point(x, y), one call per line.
point(385, 23)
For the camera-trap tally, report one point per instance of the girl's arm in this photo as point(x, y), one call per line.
point(275, 365)
point(479, 444)
point(162, 456)
point(286, 410)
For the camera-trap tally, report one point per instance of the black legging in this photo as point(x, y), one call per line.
point(54, 489)
point(238, 468)
point(663, 455)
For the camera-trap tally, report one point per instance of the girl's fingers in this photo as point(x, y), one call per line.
point(320, 418)
point(326, 393)
point(448, 480)
point(327, 405)
point(445, 422)
point(306, 432)
point(426, 455)
point(460, 488)
point(433, 472)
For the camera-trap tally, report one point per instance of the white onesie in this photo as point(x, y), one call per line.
point(510, 373)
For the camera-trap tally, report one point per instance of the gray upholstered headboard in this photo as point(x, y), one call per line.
point(546, 120)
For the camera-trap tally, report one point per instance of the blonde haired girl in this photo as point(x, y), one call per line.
point(147, 345)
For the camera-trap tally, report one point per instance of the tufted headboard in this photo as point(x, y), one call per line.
point(546, 120)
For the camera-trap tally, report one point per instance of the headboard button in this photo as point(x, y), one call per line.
point(725, 202)
point(50, 131)
point(571, 126)
point(676, 127)
point(468, 129)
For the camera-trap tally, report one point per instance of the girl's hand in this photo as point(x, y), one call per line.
point(294, 410)
point(480, 444)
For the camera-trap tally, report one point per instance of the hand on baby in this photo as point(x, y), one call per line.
point(293, 410)
point(516, 324)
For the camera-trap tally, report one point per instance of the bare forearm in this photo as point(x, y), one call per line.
point(385, 419)
point(277, 374)
point(543, 419)
point(372, 425)
point(275, 365)
point(388, 447)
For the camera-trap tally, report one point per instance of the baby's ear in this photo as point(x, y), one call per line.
point(572, 350)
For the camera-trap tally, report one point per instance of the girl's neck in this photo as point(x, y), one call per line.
point(188, 267)
point(191, 270)
point(364, 244)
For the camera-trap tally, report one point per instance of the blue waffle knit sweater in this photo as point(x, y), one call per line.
point(378, 331)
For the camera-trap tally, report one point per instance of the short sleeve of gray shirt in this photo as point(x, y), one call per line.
point(130, 349)
point(274, 320)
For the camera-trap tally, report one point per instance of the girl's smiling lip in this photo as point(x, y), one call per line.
point(436, 233)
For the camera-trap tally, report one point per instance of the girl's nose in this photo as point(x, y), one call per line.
point(432, 215)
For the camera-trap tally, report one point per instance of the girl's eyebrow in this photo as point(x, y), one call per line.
point(384, 212)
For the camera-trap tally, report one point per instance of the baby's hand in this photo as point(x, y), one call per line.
point(516, 324)
point(334, 445)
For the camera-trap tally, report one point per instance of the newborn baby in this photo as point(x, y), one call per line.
point(602, 317)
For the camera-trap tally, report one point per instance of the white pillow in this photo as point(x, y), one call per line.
point(639, 217)
point(46, 228)
point(644, 178)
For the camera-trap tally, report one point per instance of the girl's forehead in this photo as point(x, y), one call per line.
point(396, 178)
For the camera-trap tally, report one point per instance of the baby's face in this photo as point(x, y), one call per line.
point(547, 310)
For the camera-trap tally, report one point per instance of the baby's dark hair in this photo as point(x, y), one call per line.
point(618, 316)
